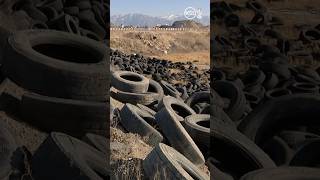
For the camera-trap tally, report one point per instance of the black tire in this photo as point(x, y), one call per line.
point(50, 12)
point(72, 10)
point(235, 151)
point(65, 23)
point(78, 71)
point(56, 4)
point(281, 70)
point(275, 115)
point(198, 97)
point(138, 121)
point(170, 90)
point(215, 173)
point(271, 81)
point(69, 158)
point(129, 82)
point(147, 109)
point(229, 90)
point(198, 126)
point(304, 88)
point(296, 138)
point(307, 155)
point(134, 98)
point(165, 162)
point(89, 34)
point(171, 114)
point(35, 13)
point(283, 173)
point(4, 34)
point(277, 92)
point(101, 143)
point(64, 115)
point(254, 76)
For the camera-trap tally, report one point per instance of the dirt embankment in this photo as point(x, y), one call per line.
point(170, 45)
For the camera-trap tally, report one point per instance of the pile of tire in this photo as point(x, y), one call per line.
point(176, 128)
point(264, 118)
point(163, 70)
point(244, 39)
point(82, 17)
point(61, 67)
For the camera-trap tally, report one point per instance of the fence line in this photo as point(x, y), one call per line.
point(157, 29)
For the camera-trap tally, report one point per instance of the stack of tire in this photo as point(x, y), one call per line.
point(64, 80)
point(179, 136)
point(264, 121)
point(83, 17)
point(161, 71)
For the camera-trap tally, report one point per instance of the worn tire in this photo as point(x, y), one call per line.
point(79, 71)
point(275, 115)
point(165, 162)
point(237, 153)
point(101, 143)
point(69, 158)
point(170, 90)
point(64, 115)
point(177, 136)
point(198, 126)
point(283, 173)
point(138, 121)
point(134, 98)
point(229, 90)
point(128, 81)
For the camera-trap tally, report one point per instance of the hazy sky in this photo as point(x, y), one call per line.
point(157, 7)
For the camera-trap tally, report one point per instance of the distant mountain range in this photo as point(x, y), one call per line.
point(150, 21)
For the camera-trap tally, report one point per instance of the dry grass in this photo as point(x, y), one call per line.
point(200, 58)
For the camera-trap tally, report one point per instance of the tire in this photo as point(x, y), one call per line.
point(89, 34)
point(215, 173)
point(170, 90)
point(256, 6)
point(72, 10)
point(276, 93)
point(81, 73)
point(50, 12)
point(237, 153)
point(65, 23)
point(134, 98)
point(4, 34)
point(101, 143)
point(165, 162)
point(8, 147)
point(198, 126)
point(232, 20)
point(281, 70)
point(56, 4)
point(129, 82)
point(38, 25)
point(138, 121)
point(64, 115)
point(283, 173)
point(278, 150)
point(296, 138)
point(275, 115)
point(155, 87)
point(69, 158)
point(35, 13)
point(307, 155)
point(305, 88)
point(254, 76)
point(198, 97)
point(177, 136)
point(147, 109)
point(229, 90)
point(271, 81)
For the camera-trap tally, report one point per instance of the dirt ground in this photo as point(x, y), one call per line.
point(170, 45)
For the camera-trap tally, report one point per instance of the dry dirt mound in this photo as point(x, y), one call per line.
point(163, 43)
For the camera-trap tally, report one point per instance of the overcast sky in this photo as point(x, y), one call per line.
point(157, 7)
